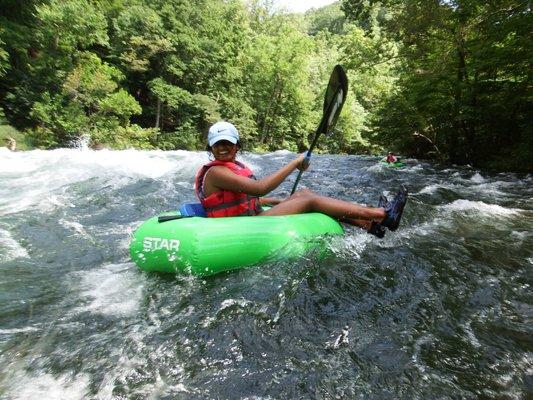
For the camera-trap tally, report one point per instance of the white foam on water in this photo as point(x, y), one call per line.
point(113, 289)
point(19, 330)
point(413, 168)
point(128, 162)
point(419, 344)
point(430, 189)
point(393, 240)
point(376, 167)
point(228, 303)
point(477, 178)
point(479, 207)
point(341, 340)
point(472, 338)
point(488, 189)
point(433, 188)
point(76, 227)
point(480, 186)
point(41, 178)
point(150, 391)
point(520, 235)
point(254, 160)
point(132, 355)
point(186, 185)
point(353, 244)
point(124, 243)
point(13, 163)
point(11, 249)
point(250, 160)
point(275, 155)
point(48, 387)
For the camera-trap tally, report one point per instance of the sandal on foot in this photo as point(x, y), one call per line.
point(394, 210)
point(376, 229)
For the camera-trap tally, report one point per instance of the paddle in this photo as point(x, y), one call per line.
point(333, 102)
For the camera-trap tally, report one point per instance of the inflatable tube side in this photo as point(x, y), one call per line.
point(206, 246)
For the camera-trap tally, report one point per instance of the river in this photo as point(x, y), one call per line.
point(440, 309)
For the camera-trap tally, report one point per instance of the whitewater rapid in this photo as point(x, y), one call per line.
point(439, 309)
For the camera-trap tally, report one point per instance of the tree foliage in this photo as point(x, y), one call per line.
point(4, 57)
point(449, 79)
point(329, 18)
point(464, 89)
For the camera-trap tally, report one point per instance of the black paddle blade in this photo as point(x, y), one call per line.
point(333, 100)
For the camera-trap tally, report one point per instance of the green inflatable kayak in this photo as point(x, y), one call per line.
point(206, 246)
point(396, 164)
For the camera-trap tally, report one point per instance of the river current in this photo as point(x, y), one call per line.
point(440, 309)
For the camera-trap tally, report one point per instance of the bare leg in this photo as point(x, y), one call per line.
point(307, 201)
point(361, 223)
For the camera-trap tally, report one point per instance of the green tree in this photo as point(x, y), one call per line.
point(139, 38)
point(329, 18)
point(16, 94)
point(373, 62)
point(90, 104)
point(44, 43)
point(4, 65)
point(4, 57)
point(464, 90)
point(180, 58)
point(279, 89)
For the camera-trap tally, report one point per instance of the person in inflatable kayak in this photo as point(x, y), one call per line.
point(228, 188)
point(391, 158)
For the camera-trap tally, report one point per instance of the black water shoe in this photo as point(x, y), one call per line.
point(376, 228)
point(394, 210)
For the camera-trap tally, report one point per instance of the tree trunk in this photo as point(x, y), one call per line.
point(462, 125)
point(158, 113)
point(269, 115)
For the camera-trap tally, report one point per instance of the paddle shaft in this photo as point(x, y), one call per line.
point(321, 129)
point(307, 159)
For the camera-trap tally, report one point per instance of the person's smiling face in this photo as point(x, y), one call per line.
point(224, 150)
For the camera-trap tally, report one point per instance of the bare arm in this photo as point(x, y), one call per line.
point(269, 201)
point(219, 178)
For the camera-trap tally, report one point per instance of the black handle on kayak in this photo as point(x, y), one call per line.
point(165, 218)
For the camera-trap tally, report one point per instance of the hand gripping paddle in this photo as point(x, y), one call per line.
point(333, 102)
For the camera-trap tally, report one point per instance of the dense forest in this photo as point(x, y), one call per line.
point(444, 79)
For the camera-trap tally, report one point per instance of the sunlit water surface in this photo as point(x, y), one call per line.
point(440, 309)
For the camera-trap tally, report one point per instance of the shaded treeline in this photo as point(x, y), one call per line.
point(464, 78)
point(444, 79)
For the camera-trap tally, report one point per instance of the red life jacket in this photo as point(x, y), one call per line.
point(226, 203)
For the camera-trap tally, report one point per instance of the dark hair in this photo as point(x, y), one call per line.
point(239, 147)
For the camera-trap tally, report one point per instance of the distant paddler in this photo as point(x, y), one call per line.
point(391, 158)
